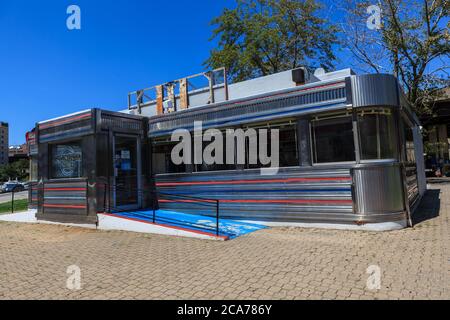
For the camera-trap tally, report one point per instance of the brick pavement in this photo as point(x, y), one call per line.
point(278, 263)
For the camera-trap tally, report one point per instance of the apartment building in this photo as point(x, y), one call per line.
point(4, 143)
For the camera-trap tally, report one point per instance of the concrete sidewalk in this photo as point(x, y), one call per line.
point(6, 197)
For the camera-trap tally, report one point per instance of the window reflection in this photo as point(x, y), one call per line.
point(377, 134)
point(162, 161)
point(66, 161)
point(333, 140)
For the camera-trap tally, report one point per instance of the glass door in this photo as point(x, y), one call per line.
point(126, 172)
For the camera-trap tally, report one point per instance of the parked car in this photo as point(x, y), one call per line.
point(26, 185)
point(12, 186)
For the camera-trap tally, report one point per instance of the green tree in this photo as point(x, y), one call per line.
point(18, 169)
point(261, 37)
point(412, 41)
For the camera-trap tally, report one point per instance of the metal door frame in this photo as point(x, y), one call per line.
point(139, 170)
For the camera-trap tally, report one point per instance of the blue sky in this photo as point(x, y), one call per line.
point(48, 71)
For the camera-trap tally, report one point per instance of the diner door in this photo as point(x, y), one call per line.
point(127, 169)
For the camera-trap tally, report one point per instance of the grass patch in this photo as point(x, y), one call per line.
point(19, 205)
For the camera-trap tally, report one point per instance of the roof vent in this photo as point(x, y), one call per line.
point(299, 76)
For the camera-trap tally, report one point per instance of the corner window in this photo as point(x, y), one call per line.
point(377, 136)
point(409, 146)
point(333, 139)
point(66, 161)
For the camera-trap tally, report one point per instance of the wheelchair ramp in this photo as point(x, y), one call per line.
point(177, 223)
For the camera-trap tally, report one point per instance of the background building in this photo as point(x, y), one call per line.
point(4, 143)
point(437, 136)
point(18, 152)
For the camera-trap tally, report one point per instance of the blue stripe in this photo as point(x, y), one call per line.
point(262, 191)
point(250, 118)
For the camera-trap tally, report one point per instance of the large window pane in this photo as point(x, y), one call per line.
point(409, 145)
point(377, 136)
point(288, 147)
point(221, 158)
point(162, 160)
point(333, 140)
point(66, 161)
point(216, 166)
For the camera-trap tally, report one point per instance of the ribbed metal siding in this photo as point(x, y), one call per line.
point(378, 190)
point(374, 90)
point(67, 127)
point(69, 198)
point(305, 195)
point(121, 122)
point(33, 195)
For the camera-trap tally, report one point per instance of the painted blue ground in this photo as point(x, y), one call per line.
point(227, 227)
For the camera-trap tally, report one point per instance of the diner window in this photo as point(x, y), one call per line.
point(377, 136)
point(245, 148)
point(220, 165)
point(409, 146)
point(288, 146)
point(66, 160)
point(162, 159)
point(333, 139)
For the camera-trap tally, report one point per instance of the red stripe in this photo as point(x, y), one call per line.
point(265, 201)
point(167, 226)
point(63, 206)
point(56, 123)
point(174, 184)
point(65, 189)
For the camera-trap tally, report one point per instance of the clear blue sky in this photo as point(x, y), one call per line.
point(48, 71)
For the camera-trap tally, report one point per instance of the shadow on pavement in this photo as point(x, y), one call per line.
point(429, 208)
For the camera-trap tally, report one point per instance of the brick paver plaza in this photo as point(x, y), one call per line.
point(278, 263)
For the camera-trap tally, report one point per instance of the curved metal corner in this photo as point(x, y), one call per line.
point(374, 90)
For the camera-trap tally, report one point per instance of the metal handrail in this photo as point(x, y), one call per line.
point(12, 201)
point(142, 191)
point(156, 196)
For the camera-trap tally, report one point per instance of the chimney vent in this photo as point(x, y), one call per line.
point(299, 76)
